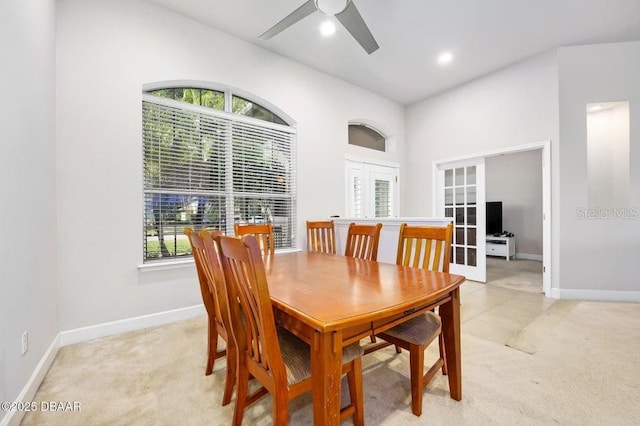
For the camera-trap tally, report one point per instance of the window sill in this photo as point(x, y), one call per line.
point(186, 263)
point(166, 265)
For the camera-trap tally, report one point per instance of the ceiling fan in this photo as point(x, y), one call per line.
point(344, 10)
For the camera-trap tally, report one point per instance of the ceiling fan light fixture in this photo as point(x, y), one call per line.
point(345, 12)
point(327, 28)
point(331, 7)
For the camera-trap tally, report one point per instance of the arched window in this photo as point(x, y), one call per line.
point(367, 137)
point(213, 158)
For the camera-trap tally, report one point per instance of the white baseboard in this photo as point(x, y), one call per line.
point(70, 337)
point(13, 418)
point(596, 295)
point(528, 256)
point(91, 332)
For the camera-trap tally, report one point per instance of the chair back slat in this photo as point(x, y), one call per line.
point(407, 250)
point(362, 241)
point(321, 236)
point(426, 247)
point(263, 234)
point(418, 250)
point(252, 313)
point(436, 258)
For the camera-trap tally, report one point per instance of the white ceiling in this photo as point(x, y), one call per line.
point(483, 35)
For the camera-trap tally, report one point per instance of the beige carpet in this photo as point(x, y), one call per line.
point(583, 370)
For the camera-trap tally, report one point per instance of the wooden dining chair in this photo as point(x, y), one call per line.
point(215, 302)
point(213, 272)
point(362, 241)
point(280, 361)
point(263, 233)
point(426, 248)
point(321, 236)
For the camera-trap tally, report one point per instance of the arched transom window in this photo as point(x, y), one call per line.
point(366, 137)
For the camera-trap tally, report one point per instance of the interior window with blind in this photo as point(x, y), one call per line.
point(371, 190)
point(210, 165)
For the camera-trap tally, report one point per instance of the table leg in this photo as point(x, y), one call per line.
point(450, 315)
point(326, 371)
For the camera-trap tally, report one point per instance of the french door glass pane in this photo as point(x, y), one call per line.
point(471, 195)
point(471, 175)
point(460, 176)
point(459, 196)
point(448, 177)
point(471, 236)
point(448, 197)
point(471, 216)
point(471, 257)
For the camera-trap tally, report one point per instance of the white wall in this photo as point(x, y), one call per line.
point(516, 180)
point(106, 51)
point(28, 300)
point(513, 106)
point(597, 254)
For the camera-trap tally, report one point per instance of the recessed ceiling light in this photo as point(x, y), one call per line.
point(327, 28)
point(445, 58)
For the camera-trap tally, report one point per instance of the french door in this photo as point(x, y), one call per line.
point(460, 195)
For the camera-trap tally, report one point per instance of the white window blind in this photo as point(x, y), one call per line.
point(205, 168)
point(355, 190)
point(382, 197)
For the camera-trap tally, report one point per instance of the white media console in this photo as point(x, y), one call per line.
point(501, 246)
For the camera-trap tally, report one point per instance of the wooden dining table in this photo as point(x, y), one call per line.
point(331, 301)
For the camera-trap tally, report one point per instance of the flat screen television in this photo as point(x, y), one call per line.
point(494, 217)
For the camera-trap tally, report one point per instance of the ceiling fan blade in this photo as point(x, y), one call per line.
point(350, 18)
point(302, 12)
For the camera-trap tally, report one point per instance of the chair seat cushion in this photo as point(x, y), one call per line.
point(417, 331)
point(296, 355)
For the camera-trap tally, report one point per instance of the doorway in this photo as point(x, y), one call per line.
point(440, 205)
point(514, 220)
